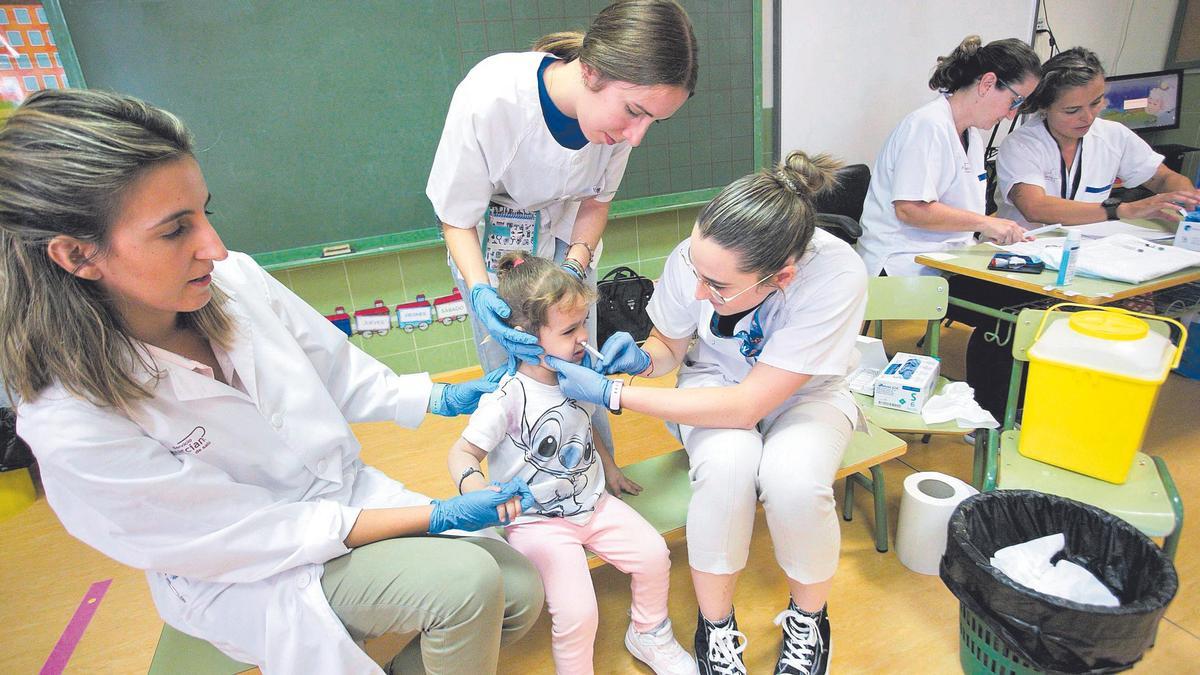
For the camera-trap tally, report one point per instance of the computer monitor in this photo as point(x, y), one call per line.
point(1144, 101)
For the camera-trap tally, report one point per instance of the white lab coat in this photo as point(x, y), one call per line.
point(923, 160)
point(496, 147)
point(1110, 151)
point(233, 502)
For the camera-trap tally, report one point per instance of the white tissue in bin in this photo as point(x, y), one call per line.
point(907, 382)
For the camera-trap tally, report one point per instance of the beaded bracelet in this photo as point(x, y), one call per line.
point(591, 251)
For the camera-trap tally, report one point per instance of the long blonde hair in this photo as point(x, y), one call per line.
point(66, 158)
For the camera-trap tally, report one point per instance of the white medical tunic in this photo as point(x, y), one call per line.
point(497, 149)
point(810, 327)
point(923, 160)
point(1110, 151)
point(232, 500)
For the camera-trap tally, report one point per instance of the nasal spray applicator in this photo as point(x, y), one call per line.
point(1070, 256)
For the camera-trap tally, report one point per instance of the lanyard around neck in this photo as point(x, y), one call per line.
point(1062, 166)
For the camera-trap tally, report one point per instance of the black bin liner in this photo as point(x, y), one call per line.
point(1052, 633)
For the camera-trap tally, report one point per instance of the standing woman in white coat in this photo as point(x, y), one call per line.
point(760, 311)
point(534, 148)
point(928, 187)
point(190, 415)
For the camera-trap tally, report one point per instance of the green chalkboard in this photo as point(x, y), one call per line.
point(316, 121)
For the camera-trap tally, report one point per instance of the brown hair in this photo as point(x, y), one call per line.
point(532, 285)
point(767, 218)
point(67, 156)
point(1066, 70)
point(1010, 59)
point(642, 42)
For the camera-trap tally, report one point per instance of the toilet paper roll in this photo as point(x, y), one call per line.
point(929, 499)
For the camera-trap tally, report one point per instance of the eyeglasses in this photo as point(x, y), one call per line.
point(719, 299)
point(1017, 98)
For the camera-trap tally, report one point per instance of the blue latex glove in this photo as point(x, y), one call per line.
point(621, 355)
point(477, 510)
point(451, 400)
point(580, 382)
point(492, 311)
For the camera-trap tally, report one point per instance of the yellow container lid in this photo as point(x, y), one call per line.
point(1109, 325)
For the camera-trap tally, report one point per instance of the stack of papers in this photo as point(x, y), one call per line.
point(1123, 257)
point(1111, 227)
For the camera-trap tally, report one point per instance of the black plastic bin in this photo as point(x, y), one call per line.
point(1052, 634)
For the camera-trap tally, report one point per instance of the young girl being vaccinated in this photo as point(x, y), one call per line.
point(528, 428)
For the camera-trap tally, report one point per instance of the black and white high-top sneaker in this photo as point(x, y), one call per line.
point(719, 646)
point(807, 642)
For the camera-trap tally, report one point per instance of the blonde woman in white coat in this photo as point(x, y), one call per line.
point(190, 416)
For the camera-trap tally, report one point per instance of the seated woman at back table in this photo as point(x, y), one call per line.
point(1061, 165)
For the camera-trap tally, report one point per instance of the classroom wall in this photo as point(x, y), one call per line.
point(640, 242)
point(1130, 36)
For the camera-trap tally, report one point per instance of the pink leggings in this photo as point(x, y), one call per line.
point(622, 538)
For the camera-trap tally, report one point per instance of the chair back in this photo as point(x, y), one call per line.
point(907, 298)
point(848, 197)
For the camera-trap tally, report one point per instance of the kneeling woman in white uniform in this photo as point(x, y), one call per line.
point(534, 149)
point(1060, 166)
point(190, 416)
point(762, 402)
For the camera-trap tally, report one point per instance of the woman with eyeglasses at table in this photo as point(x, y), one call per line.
point(1060, 166)
point(928, 187)
point(761, 399)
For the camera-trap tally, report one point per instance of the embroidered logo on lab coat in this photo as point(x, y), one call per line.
point(192, 444)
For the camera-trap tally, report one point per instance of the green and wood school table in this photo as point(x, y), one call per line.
point(1179, 293)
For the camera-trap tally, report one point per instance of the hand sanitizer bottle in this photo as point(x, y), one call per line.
point(1070, 256)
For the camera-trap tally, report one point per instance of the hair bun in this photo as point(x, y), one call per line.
point(806, 176)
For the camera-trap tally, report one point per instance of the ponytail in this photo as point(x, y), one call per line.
point(1010, 59)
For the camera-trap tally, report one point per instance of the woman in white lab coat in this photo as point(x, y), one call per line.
point(761, 401)
point(534, 148)
point(928, 187)
point(190, 415)
point(1061, 165)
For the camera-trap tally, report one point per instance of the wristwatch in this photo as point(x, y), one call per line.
point(1110, 207)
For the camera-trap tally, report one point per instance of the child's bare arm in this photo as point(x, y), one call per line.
point(614, 478)
point(463, 457)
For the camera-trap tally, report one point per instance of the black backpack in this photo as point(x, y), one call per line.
point(621, 306)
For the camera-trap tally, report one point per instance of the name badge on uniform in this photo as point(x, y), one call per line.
point(507, 229)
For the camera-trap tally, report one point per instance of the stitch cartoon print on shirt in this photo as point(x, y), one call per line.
point(558, 454)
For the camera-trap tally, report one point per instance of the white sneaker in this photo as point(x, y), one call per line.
point(660, 650)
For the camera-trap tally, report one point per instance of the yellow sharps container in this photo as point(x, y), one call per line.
point(1093, 380)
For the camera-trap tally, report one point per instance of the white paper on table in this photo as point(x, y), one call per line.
point(1123, 257)
point(1109, 227)
point(1033, 248)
